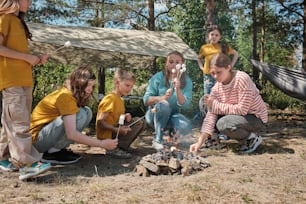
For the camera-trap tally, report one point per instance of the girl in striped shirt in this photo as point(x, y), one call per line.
point(235, 107)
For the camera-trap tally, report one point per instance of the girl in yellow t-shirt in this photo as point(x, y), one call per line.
point(16, 83)
point(207, 51)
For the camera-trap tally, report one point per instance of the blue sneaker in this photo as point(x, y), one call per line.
point(6, 165)
point(30, 171)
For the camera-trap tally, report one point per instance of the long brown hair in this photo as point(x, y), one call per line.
point(25, 26)
point(77, 83)
point(167, 73)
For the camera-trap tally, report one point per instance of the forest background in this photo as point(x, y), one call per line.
point(270, 31)
point(267, 30)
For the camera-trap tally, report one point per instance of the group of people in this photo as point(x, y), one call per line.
point(31, 141)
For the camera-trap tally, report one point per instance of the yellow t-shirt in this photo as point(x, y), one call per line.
point(207, 51)
point(114, 105)
point(59, 103)
point(14, 72)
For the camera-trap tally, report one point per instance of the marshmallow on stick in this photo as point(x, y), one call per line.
point(181, 71)
point(121, 119)
point(121, 122)
point(67, 44)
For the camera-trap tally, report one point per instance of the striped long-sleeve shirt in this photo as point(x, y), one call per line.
point(239, 97)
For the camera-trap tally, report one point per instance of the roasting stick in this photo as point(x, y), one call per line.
point(121, 122)
point(136, 121)
point(67, 44)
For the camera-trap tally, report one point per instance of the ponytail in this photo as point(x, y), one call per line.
point(26, 28)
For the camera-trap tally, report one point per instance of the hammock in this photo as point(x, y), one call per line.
point(291, 82)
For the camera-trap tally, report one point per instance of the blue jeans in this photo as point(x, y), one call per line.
point(53, 134)
point(239, 127)
point(162, 118)
point(208, 82)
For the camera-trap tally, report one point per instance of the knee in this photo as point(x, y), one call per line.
point(84, 114)
point(222, 125)
point(163, 109)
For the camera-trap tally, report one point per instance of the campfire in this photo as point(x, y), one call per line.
point(175, 159)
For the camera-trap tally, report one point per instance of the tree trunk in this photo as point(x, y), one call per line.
point(151, 27)
point(304, 41)
point(151, 23)
point(210, 9)
point(262, 40)
point(254, 53)
point(101, 79)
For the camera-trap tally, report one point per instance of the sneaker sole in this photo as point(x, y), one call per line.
point(8, 169)
point(32, 175)
point(258, 142)
point(117, 156)
point(60, 162)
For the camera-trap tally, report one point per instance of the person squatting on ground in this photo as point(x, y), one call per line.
point(110, 111)
point(165, 96)
point(207, 51)
point(59, 118)
point(235, 107)
point(16, 84)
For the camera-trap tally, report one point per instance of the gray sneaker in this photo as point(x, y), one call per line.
point(158, 146)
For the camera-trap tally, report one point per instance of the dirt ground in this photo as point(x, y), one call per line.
point(276, 173)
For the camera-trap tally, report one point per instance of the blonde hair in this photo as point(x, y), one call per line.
point(124, 74)
point(9, 6)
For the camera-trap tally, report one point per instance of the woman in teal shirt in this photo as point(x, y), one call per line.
point(168, 92)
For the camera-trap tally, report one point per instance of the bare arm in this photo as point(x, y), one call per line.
point(200, 63)
point(179, 95)
point(235, 58)
point(73, 134)
point(155, 99)
point(196, 146)
point(102, 123)
point(10, 53)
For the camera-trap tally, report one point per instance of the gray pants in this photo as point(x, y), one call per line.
point(239, 127)
point(53, 134)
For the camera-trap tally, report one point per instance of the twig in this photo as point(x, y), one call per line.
point(118, 132)
point(136, 121)
point(96, 169)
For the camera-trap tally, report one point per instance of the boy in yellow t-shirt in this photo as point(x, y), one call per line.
point(111, 109)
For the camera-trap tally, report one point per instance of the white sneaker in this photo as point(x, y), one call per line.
point(254, 143)
point(158, 146)
point(30, 171)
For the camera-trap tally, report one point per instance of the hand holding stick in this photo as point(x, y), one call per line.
point(121, 122)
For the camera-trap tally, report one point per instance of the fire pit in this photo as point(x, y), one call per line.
point(175, 159)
